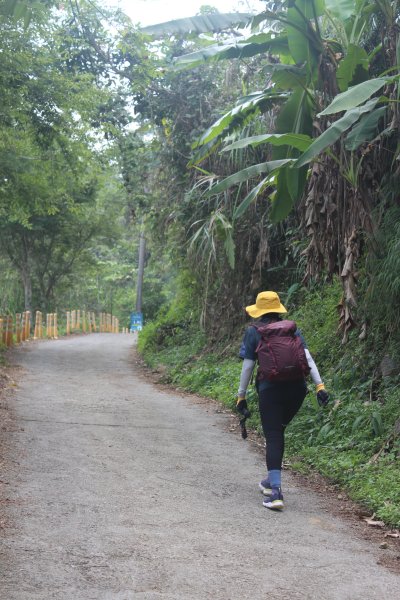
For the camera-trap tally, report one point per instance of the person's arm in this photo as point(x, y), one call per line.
point(245, 376)
point(314, 373)
point(249, 360)
point(322, 395)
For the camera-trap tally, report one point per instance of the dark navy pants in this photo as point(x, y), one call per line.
point(279, 403)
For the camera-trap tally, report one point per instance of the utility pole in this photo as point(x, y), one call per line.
point(142, 251)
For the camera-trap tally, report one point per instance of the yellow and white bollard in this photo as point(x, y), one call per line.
point(18, 327)
point(27, 324)
point(9, 339)
point(23, 327)
point(36, 333)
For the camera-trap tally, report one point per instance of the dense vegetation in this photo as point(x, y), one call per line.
point(252, 157)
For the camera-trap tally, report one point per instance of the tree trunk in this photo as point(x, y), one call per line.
point(27, 283)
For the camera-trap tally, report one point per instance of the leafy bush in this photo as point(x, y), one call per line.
point(174, 337)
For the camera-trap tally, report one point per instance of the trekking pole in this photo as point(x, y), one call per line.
point(241, 407)
point(242, 422)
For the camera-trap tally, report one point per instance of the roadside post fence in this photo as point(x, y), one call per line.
point(6, 328)
point(80, 321)
point(108, 323)
point(38, 331)
point(51, 326)
point(18, 328)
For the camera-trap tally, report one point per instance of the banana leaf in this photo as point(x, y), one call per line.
point(229, 246)
point(251, 196)
point(333, 133)
point(355, 95)
point(343, 9)
point(310, 8)
point(238, 48)
point(239, 111)
point(295, 140)
point(248, 173)
point(289, 188)
point(365, 130)
point(232, 120)
point(199, 24)
point(281, 201)
point(353, 68)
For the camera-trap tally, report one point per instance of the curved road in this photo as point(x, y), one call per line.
point(127, 492)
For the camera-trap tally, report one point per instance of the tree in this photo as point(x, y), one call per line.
point(57, 111)
point(306, 69)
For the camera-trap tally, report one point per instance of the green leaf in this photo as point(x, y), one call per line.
point(343, 9)
point(284, 197)
point(199, 24)
point(243, 206)
point(377, 424)
point(281, 203)
point(226, 120)
point(295, 181)
point(355, 64)
point(304, 43)
point(357, 422)
point(20, 11)
point(311, 8)
point(365, 130)
point(324, 431)
point(229, 246)
point(355, 95)
point(333, 133)
point(295, 140)
point(289, 77)
point(242, 48)
point(248, 173)
point(296, 114)
point(233, 120)
point(290, 187)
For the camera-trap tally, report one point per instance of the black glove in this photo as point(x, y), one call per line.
point(242, 408)
point(323, 398)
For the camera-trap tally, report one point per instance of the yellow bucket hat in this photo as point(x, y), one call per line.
point(266, 302)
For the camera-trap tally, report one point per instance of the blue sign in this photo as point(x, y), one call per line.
point(136, 321)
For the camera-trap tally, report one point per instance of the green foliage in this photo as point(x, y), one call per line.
point(247, 107)
point(343, 444)
point(382, 296)
point(299, 141)
point(365, 130)
point(245, 174)
point(342, 9)
point(316, 313)
point(355, 95)
point(174, 337)
point(330, 136)
point(66, 235)
point(353, 68)
point(254, 45)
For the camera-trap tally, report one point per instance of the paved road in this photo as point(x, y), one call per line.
point(127, 492)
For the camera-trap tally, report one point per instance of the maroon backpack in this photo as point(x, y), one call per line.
point(280, 352)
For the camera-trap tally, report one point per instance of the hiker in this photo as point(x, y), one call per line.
point(281, 387)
